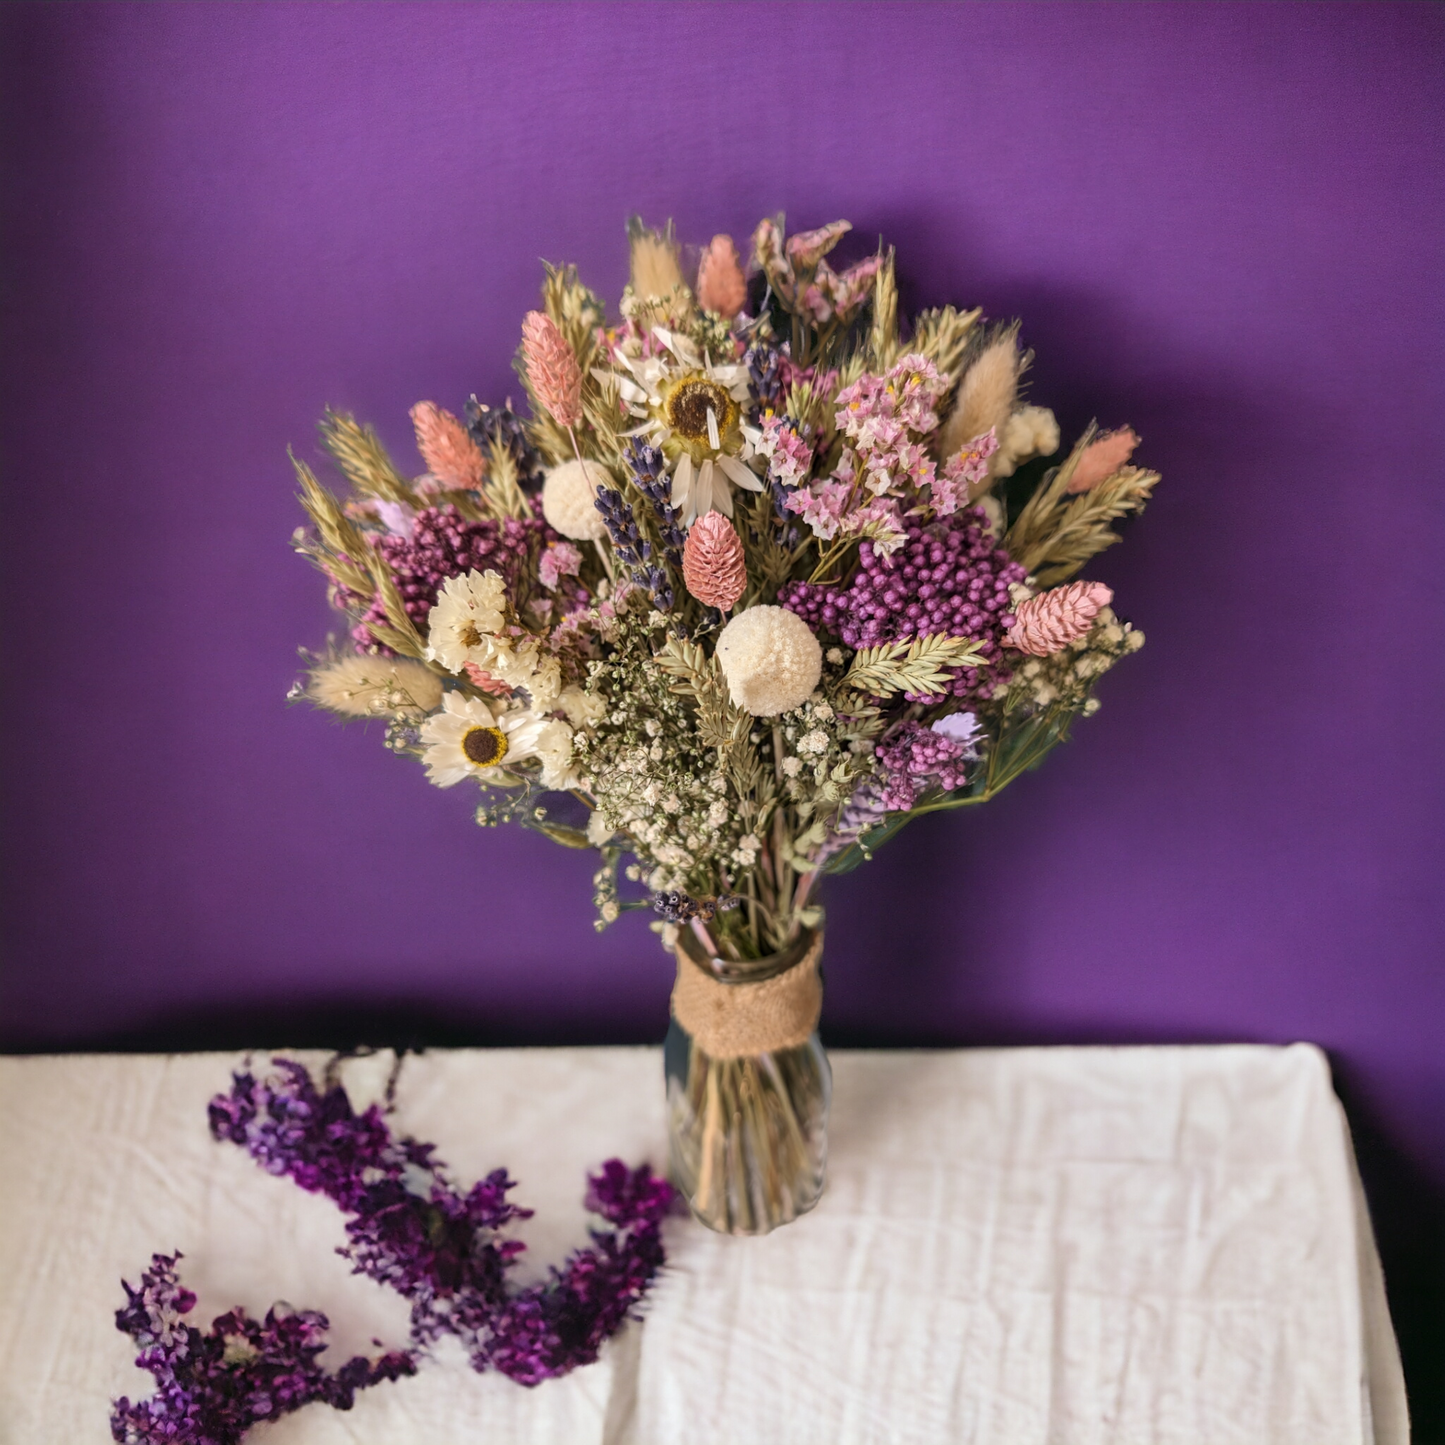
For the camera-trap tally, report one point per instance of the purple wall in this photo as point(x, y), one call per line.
point(1219, 223)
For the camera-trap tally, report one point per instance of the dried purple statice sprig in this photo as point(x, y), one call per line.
point(211, 1388)
point(442, 1250)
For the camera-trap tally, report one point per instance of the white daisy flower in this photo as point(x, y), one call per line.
point(467, 612)
point(689, 407)
point(469, 739)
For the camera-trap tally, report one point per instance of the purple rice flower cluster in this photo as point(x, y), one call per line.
point(947, 577)
point(440, 544)
point(211, 1388)
point(915, 759)
point(442, 1250)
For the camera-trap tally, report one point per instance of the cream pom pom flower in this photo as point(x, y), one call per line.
point(771, 660)
point(569, 499)
point(470, 739)
point(469, 610)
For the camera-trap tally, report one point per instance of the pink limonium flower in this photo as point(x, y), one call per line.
point(552, 369)
point(721, 286)
point(1102, 458)
point(790, 458)
point(560, 559)
point(964, 474)
point(821, 506)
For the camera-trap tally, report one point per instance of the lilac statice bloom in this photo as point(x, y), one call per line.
point(443, 1250)
point(211, 1388)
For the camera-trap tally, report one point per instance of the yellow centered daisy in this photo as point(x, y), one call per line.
point(700, 414)
point(484, 746)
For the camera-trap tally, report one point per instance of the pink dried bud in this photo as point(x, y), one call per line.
point(485, 681)
point(1102, 458)
point(720, 283)
point(807, 248)
point(712, 562)
point(1051, 621)
point(451, 456)
point(552, 368)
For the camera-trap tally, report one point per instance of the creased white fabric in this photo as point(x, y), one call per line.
point(1061, 1246)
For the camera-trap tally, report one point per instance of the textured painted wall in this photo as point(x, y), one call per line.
point(1219, 223)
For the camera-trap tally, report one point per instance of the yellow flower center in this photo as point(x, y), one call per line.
point(484, 746)
point(699, 410)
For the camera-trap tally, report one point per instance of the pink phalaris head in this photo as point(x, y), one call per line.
point(552, 368)
point(1102, 458)
point(451, 456)
point(1049, 622)
point(720, 283)
point(712, 562)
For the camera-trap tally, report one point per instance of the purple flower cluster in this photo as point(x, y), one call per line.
point(915, 759)
point(442, 1250)
point(948, 577)
point(442, 543)
point(211, 1388)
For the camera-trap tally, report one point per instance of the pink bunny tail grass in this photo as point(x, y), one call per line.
point(552, 369)
point(1051, 621)
point(720, 283)
point(1102, 458)
point(451, 456)
point(712, 562)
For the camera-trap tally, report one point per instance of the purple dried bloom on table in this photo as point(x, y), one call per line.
point(211, 1388)
point(442, 1250)
point(947, 577)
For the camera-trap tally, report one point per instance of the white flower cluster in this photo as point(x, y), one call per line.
point(1067, 678)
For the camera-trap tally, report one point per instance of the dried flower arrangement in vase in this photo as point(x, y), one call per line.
point(764, 574)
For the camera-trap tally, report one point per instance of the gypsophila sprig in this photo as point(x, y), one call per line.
point(761, 538)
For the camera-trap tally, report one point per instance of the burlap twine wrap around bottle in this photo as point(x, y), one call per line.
point(735, 1018)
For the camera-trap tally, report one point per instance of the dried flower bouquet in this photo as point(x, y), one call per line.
point(762, 576)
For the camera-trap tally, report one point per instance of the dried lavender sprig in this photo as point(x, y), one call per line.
point(764, 364)
point(211, 1388)
point(502, 425)
point(649, 471)
point(680, 908)
point(444, 1251)
point(632, 549)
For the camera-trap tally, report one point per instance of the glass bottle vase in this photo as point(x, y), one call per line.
point(748, 1085)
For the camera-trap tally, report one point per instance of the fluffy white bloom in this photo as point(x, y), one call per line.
point(569, 499)
point(1032, 431)
point(771, 660)
point(529, 666)
point(467, 612)
point(582, 708)
point(470, 739)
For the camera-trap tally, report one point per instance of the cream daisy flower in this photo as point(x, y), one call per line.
point(689, 406)
point(470, 739)
point(468, 611)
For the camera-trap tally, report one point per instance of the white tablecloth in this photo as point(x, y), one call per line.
point(1018, 1247)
